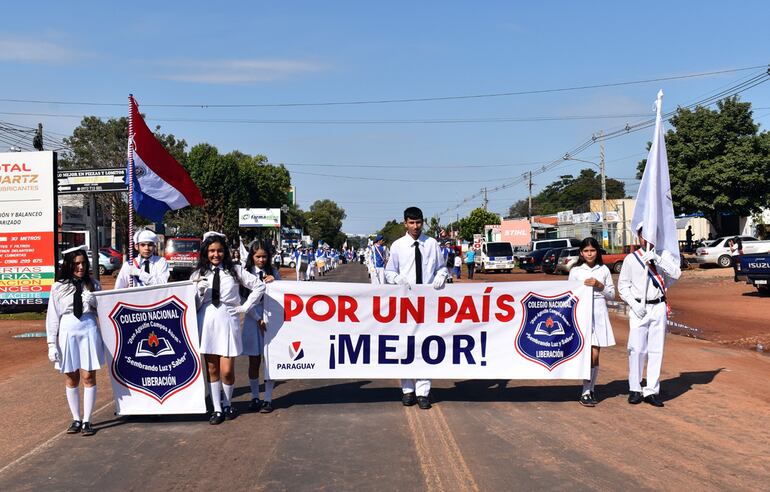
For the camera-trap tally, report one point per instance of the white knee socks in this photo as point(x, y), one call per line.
point(89, 400)
point(228, 390)
point(254, 384)
point(216, 395)
point(73, 399)
point(269, 384)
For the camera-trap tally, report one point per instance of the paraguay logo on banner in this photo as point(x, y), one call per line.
point(153, 354)
point(549, 334)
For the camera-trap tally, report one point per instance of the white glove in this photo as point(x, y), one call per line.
point(439, 281)
point(53, 353)
point(203, 284)
point(638, 309)
point(240, 309)
point(138, 272)
point(88, 298)
point(649, 256)
point(401, 280)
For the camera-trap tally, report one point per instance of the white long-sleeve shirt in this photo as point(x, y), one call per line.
point(258, 308)
point(158, 272)
point(600, 273)
point(60, 303)
point(229, 294)
point(634, 280)
point(401, 260)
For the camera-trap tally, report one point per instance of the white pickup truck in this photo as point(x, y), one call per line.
point(717, 252)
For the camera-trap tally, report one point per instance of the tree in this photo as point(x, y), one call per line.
point(392, 230)
point(229, 182)
point(434, 228)
point(324, 222)
point(97, 143)
point(521, 208)
point(474, 223)
point(718, 161)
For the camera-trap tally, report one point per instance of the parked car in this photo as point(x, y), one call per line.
point(109, 264)
point(287, 260)
point(550, 259)
point(520, 252)
point(756, 269)
point(563, 242)
point(717, 252)
point(532, 261)
point(495, 257)
point(111, 252)
point(567, 259)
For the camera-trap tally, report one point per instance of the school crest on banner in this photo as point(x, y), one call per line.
point(153, 352)
point(549, 334)
point(151, 336)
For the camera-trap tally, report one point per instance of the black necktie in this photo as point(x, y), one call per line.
point(215, 289)
point(77, 302)
point(261, 275)
point(147, 266)
point(417, 262)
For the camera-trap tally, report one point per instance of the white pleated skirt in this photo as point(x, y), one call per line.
point(219, 330)
point(80, 344)
point(601, 333)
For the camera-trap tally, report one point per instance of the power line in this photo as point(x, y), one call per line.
point(405, 100)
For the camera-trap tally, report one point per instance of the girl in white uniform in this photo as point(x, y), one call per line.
point(218, 281)
point(590, 270)
point(74, 343)
point(258, 264)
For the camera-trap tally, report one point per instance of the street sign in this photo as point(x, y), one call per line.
point(91, 180)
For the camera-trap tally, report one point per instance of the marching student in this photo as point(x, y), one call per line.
point(458, 265)
point(258, 264)
point(642, 284)
point(298, 262)
point(147, 268)
point(379, 259)
point(74, 343)
point(311, 267)
point(590, 270)
point(219, 323)
point(415, 259)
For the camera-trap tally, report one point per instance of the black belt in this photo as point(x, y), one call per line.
point(654, 301)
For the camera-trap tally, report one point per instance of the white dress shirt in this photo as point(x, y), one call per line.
point(401, 260)
point(61, 302)
point(229, 293)
point(158, 272)
point(634, 280)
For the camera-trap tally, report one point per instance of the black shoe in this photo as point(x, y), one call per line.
point(408, 399)
point(87, 430)
point(230, 412)
point(423, 402)
point(74, 427)
point(267, 407)
point(216, 418)
point(635, 397)
point(653, 400)
point(255, 405)
point(593, 398)
point(586, 400)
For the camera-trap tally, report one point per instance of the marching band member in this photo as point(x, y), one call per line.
point(219, 324)
point(590, 270)
point(147, 268)
point(643, 281)
point(311, 267)
point(298, 262)
point(74, 343)
point(258, 264)
point(379, 259)
point(415, 259)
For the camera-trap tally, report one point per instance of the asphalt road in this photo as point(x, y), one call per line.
point(480, 435)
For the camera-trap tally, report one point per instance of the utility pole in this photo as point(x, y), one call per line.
point(605, 237)
point(485, 199)
point(37, 140)
point(529, 207)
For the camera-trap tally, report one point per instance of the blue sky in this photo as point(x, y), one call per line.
point(379, 158)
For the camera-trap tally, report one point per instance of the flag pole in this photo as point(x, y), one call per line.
point(130, 188)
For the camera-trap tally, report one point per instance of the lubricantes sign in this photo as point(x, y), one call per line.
point(27, 230)
point(151, 334)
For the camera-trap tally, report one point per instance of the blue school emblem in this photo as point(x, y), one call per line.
point(549, 333)
point(153, 354)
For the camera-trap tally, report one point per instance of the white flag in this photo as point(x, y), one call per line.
point(654, 212)
point(242, 252)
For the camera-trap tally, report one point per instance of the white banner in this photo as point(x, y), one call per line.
point(508, 330)
point(259, 217)
point(151, 337)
